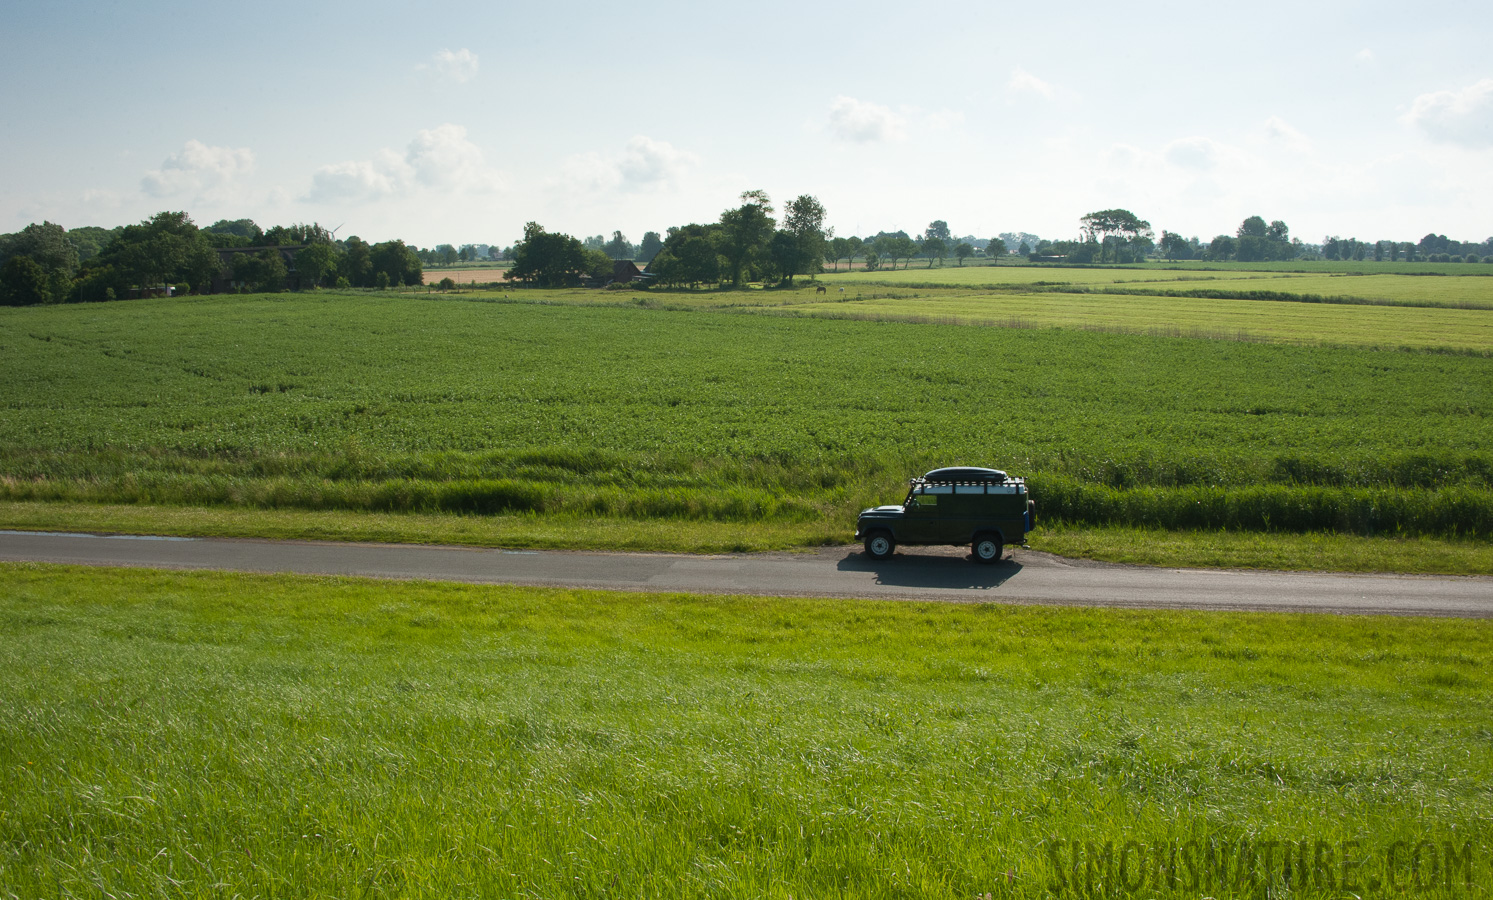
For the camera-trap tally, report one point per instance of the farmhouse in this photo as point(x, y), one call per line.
point(624, 271)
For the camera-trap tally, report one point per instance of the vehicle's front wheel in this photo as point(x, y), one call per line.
point(879, 544)
point(988, 548)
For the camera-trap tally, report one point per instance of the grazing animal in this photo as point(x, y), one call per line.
point(821, 289)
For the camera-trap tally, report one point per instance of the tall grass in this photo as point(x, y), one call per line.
point(168, 734)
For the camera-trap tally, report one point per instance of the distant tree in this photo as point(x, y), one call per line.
point(51, 248)
point(297, 234)
point(598, 264)
point(937, 229)
point(618, 247)
point(836, 250)
point(746, 232)
point(962, 250)
point(995, 250)
point(1222, 247)
point(689, 256)
point(398, 261)
point(235, 233)
point(907, 248)
point(316, 263)
point(551, 260)
point(356, 264)
point(1114, 229)
point(464, 255)
point(652, 243)
point(873, 261)
point(89, 240)
point(1175, 246)
point(804, 220)
point(933, 248)
point(262, 271)
point(854, 247)
point(23, 282)
point(165, 249)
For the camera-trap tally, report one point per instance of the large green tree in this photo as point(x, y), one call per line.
point(803, 220)
point(934, 249)
point(316, 263)
point(167, 248)
point(54, 253)
point(397, 261)
point(689, 256)
point(1115, 230)
point(547, 259)
point(23, 282)
point(746, 232)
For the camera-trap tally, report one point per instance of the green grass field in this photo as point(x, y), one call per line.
point(166, 734)
point(1304, 323)
point(1024, 273)
point(572, 412)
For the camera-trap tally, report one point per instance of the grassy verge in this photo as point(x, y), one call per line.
point(1208, 549)
point(1257, 550)
point(168, 734)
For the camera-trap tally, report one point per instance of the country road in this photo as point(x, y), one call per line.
point(927, 574)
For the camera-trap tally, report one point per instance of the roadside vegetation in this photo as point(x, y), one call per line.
point(175, 734)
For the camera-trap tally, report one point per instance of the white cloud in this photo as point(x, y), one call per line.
point(1281, 132)
point(439, 159)
point(1462, 117)
point(1198, 153)
point(198, 170)
point(459, 66)
point(649, 162)
point(1024, 82)
point(863, 123)
point(1364, 56)
point(643, 163)
point(944, 119)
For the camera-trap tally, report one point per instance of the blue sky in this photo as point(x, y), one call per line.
point(460, 122)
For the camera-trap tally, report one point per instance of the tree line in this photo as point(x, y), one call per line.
point(169, 253)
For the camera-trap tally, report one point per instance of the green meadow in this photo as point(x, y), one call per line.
point(168, 734)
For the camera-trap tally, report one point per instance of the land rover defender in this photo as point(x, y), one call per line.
point(984, 508)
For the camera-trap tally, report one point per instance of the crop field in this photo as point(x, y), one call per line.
point(630, 413)
point(171, 734)
point(963, 276)
point(1466, 292)
point(1304, 323)
point(480, 274)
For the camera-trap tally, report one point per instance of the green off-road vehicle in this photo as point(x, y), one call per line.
point(984, 508)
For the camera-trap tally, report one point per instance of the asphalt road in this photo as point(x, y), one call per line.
point(944, 574)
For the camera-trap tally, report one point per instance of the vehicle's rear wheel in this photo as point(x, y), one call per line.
point(988, 548)
point(879, 544)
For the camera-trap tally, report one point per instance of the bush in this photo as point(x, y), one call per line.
point(447, 284)
point(381, 281)
point(182, 289)
point(343, 283)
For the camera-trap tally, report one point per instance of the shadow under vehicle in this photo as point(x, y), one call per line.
point(984, 508)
